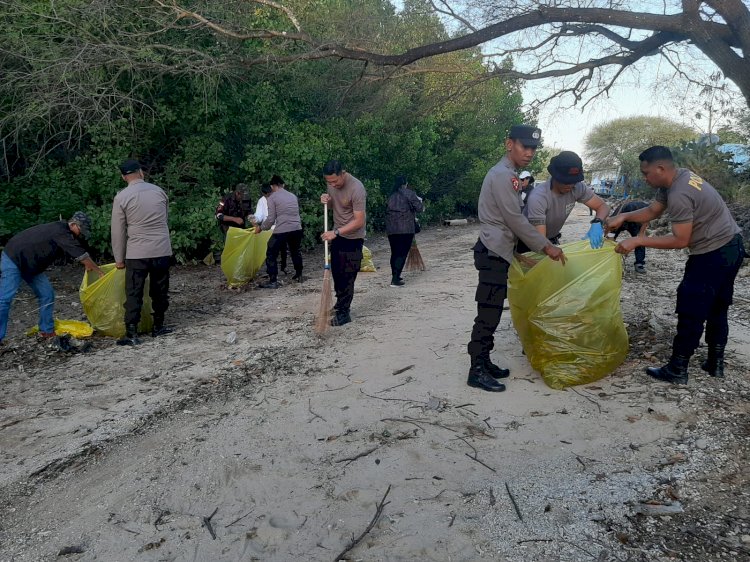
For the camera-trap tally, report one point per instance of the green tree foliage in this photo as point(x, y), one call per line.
point(714, 166)
point(90, 84)
point(616, 145)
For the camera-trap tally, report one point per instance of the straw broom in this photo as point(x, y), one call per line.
point(323, 321)
point(414, 261)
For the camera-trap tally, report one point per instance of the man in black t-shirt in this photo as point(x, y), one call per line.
point(634, 229)
point(29, 253)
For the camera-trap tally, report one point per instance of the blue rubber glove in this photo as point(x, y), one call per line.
point(596, 235)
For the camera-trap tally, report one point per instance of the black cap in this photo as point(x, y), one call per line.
point(129, 166)
point(566, 168)
point(84, 223)
point(528, 135)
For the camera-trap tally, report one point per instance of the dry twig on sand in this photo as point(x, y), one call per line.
point(355, 542)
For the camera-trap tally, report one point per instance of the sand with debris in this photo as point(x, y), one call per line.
point(282, 445)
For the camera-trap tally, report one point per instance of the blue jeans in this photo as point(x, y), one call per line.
point(10, 280)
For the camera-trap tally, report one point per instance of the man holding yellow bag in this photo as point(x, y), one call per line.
point(142, 247)
point(29, 253)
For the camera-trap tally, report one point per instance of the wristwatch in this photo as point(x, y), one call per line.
point(595, 220)
point(336, 231)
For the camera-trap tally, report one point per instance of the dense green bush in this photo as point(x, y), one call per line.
point(201, 130)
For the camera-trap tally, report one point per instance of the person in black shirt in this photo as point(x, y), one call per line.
point(232, 209)
point(29, 253)
point(634, 229)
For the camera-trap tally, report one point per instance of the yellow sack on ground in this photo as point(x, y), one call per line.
point(568, 317)
point(367, 264)
point(76, 328)
point(243, 255)
point(103, 301)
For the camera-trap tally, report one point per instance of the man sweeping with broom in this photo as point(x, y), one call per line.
point(347, 197)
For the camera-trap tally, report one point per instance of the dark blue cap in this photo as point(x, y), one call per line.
point(528, 135)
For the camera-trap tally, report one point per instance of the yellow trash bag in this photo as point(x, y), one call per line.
point(367, 264)
point(243, 255)
point(103, 301)
point(75, 328)
point(568, 317)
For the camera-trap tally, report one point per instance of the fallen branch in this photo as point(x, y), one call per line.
point(420, 420)
point(238, 519)
point(407, 381)
point(588, 398)
point(355, 542)
point(309, 409)
point(475, 458)
point(513, 501)
point(392, 399)
point(403, 370)
point(207, 523)
point(358, 456)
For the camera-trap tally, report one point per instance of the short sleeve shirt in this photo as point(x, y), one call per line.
point(351, 197)
point(545, 207)
point(691, 199)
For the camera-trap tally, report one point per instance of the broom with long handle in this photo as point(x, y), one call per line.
point(414, 261)
point(323, 321)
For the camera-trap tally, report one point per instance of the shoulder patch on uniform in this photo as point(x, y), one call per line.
point(516, 184)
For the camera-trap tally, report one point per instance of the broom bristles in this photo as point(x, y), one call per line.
point(414, 261)
point(323, 321)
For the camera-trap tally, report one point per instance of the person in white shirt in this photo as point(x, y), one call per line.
point(261, 209)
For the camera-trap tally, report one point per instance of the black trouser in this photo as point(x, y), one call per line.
point(400, 244)
point(522, 248)
point(490, 296)
point(704, 296)
point(279, 242)
point(633, 228)
point(346, 259)
point(136, 271)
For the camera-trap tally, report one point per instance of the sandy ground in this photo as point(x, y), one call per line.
point(282, 445)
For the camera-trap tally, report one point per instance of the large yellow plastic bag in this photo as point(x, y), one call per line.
point(367, 263)
point(243, 255)
point(75, 328)
point(103, 301)
point(568, 317)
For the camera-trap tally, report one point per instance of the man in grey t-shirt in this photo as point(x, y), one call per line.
point(702, 223)
point(549, 204)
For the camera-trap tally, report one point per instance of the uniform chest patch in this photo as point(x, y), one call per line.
point(516, 184)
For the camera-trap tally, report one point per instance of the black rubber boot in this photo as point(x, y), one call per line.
point(676, 371)
point(493, 370)
point(341, 318)
point(714, 363)
point(131, 335)
point(480, 378)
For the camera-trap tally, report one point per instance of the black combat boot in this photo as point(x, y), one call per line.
point(160, 329)
point(131, 335)
point(340, 318)
point(676, 371)
point(493, 370)
point(714, 363)
point(480, 378)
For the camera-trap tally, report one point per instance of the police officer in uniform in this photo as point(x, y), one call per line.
point(501, 222)
point(701, 222)
point(550, 204)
